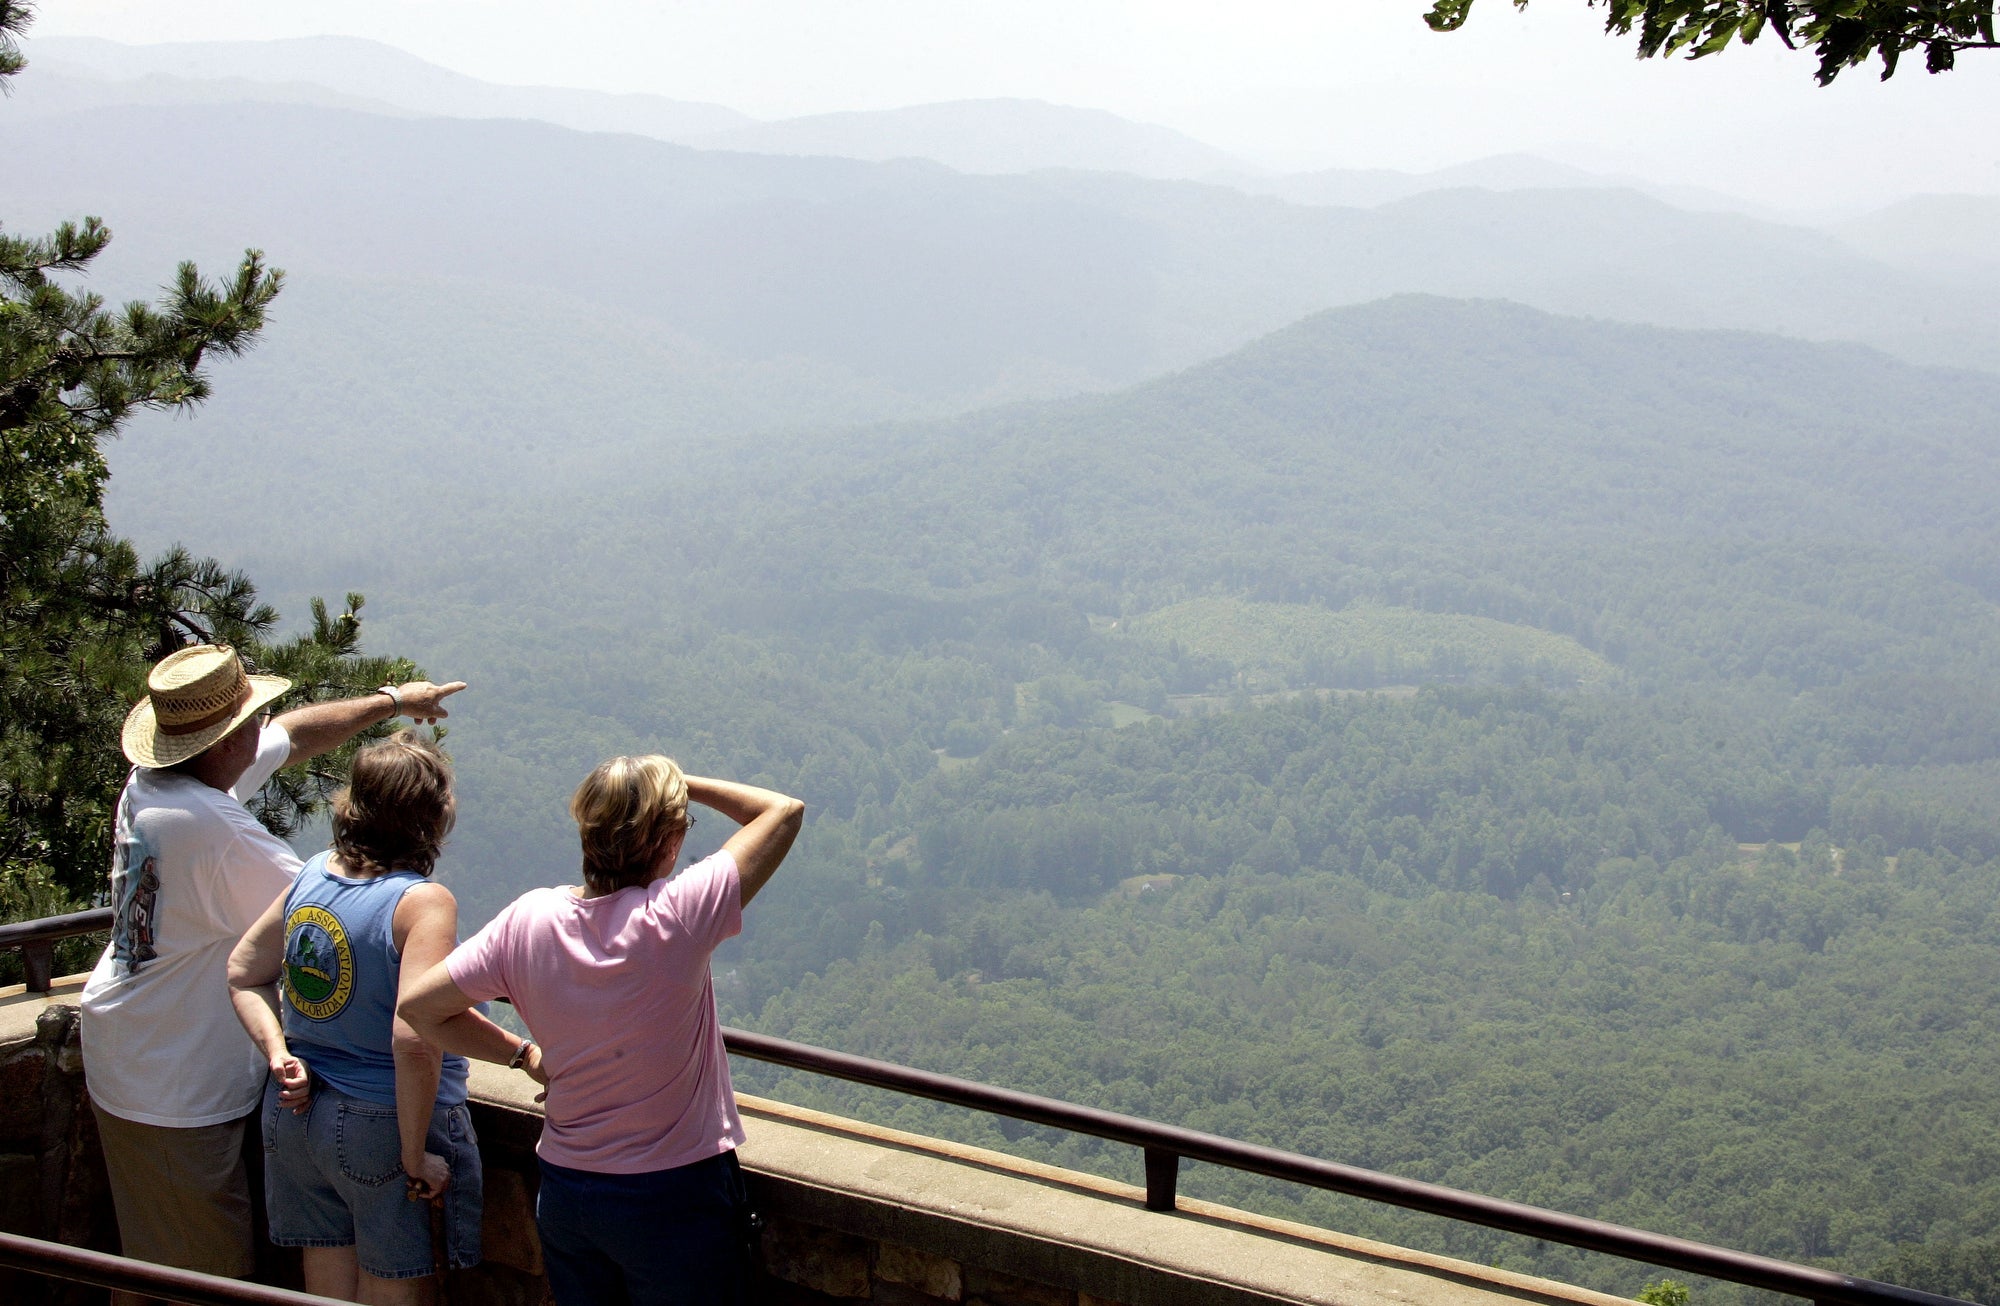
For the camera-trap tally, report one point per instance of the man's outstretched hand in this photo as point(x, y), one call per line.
point(423, 701)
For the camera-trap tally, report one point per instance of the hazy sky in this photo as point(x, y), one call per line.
point(1357, 83)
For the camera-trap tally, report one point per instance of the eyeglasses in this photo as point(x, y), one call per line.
point(688, 826)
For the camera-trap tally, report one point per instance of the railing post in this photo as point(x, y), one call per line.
point(1163, 1172)
point(39, 960)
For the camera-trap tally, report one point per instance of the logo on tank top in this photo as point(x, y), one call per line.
point(319, 963)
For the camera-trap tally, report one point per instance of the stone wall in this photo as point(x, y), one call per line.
point(51, 1170)
point(805, 1263)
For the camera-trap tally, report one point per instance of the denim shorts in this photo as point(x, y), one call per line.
point(333, 1177)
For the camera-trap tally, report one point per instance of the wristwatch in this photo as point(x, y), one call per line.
point(521, 1054)
point(395, 700)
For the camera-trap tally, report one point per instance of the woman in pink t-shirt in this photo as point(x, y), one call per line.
point(640, 1196)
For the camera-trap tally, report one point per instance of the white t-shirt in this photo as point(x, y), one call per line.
point(191, 871)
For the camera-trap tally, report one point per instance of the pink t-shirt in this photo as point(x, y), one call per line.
point(616, 990)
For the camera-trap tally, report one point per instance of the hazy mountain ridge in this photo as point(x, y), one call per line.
point(995, 135)
point(1369, 187)
point(950, 289)
point(372, 71)
point(981, 136)
point(987, 136)
point(1421, 421)
point(59, 88)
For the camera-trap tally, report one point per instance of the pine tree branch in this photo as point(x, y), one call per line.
point(15, 15)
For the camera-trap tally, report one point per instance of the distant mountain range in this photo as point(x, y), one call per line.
point(974, 136)
point(500, 289)
point(1368, 187)
point(362, 73)
point(1411, 425)
point(978, 136)
point(983, 136)
point(987, 136)
point(947, 288)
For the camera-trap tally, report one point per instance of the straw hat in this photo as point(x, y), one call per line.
point(194, 698)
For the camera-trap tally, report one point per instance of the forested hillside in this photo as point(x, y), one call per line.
point(1553, 757)
point(1705, 943)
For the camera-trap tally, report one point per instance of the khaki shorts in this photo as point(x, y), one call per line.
point(182, 1195)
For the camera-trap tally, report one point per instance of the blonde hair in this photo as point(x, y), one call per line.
point(627, 811)
point(397, 806)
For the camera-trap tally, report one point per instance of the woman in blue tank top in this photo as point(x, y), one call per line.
point(364, 1123)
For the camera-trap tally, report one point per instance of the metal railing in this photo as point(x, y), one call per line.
point(103, 1270)
point(36, 941)
point(1164, 1147)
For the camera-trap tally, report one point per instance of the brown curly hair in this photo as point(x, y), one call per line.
point(397, 807)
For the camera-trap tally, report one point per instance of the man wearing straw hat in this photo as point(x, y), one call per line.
point(172, 1079)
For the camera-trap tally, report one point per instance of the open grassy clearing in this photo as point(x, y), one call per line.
point(1289, 645)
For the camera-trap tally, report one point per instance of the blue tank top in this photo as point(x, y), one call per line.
point(339, 982)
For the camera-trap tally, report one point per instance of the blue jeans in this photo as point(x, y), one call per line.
point(333, 1177)
point(668, 1238)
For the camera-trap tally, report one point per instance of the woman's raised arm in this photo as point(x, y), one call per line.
point(770, 822)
